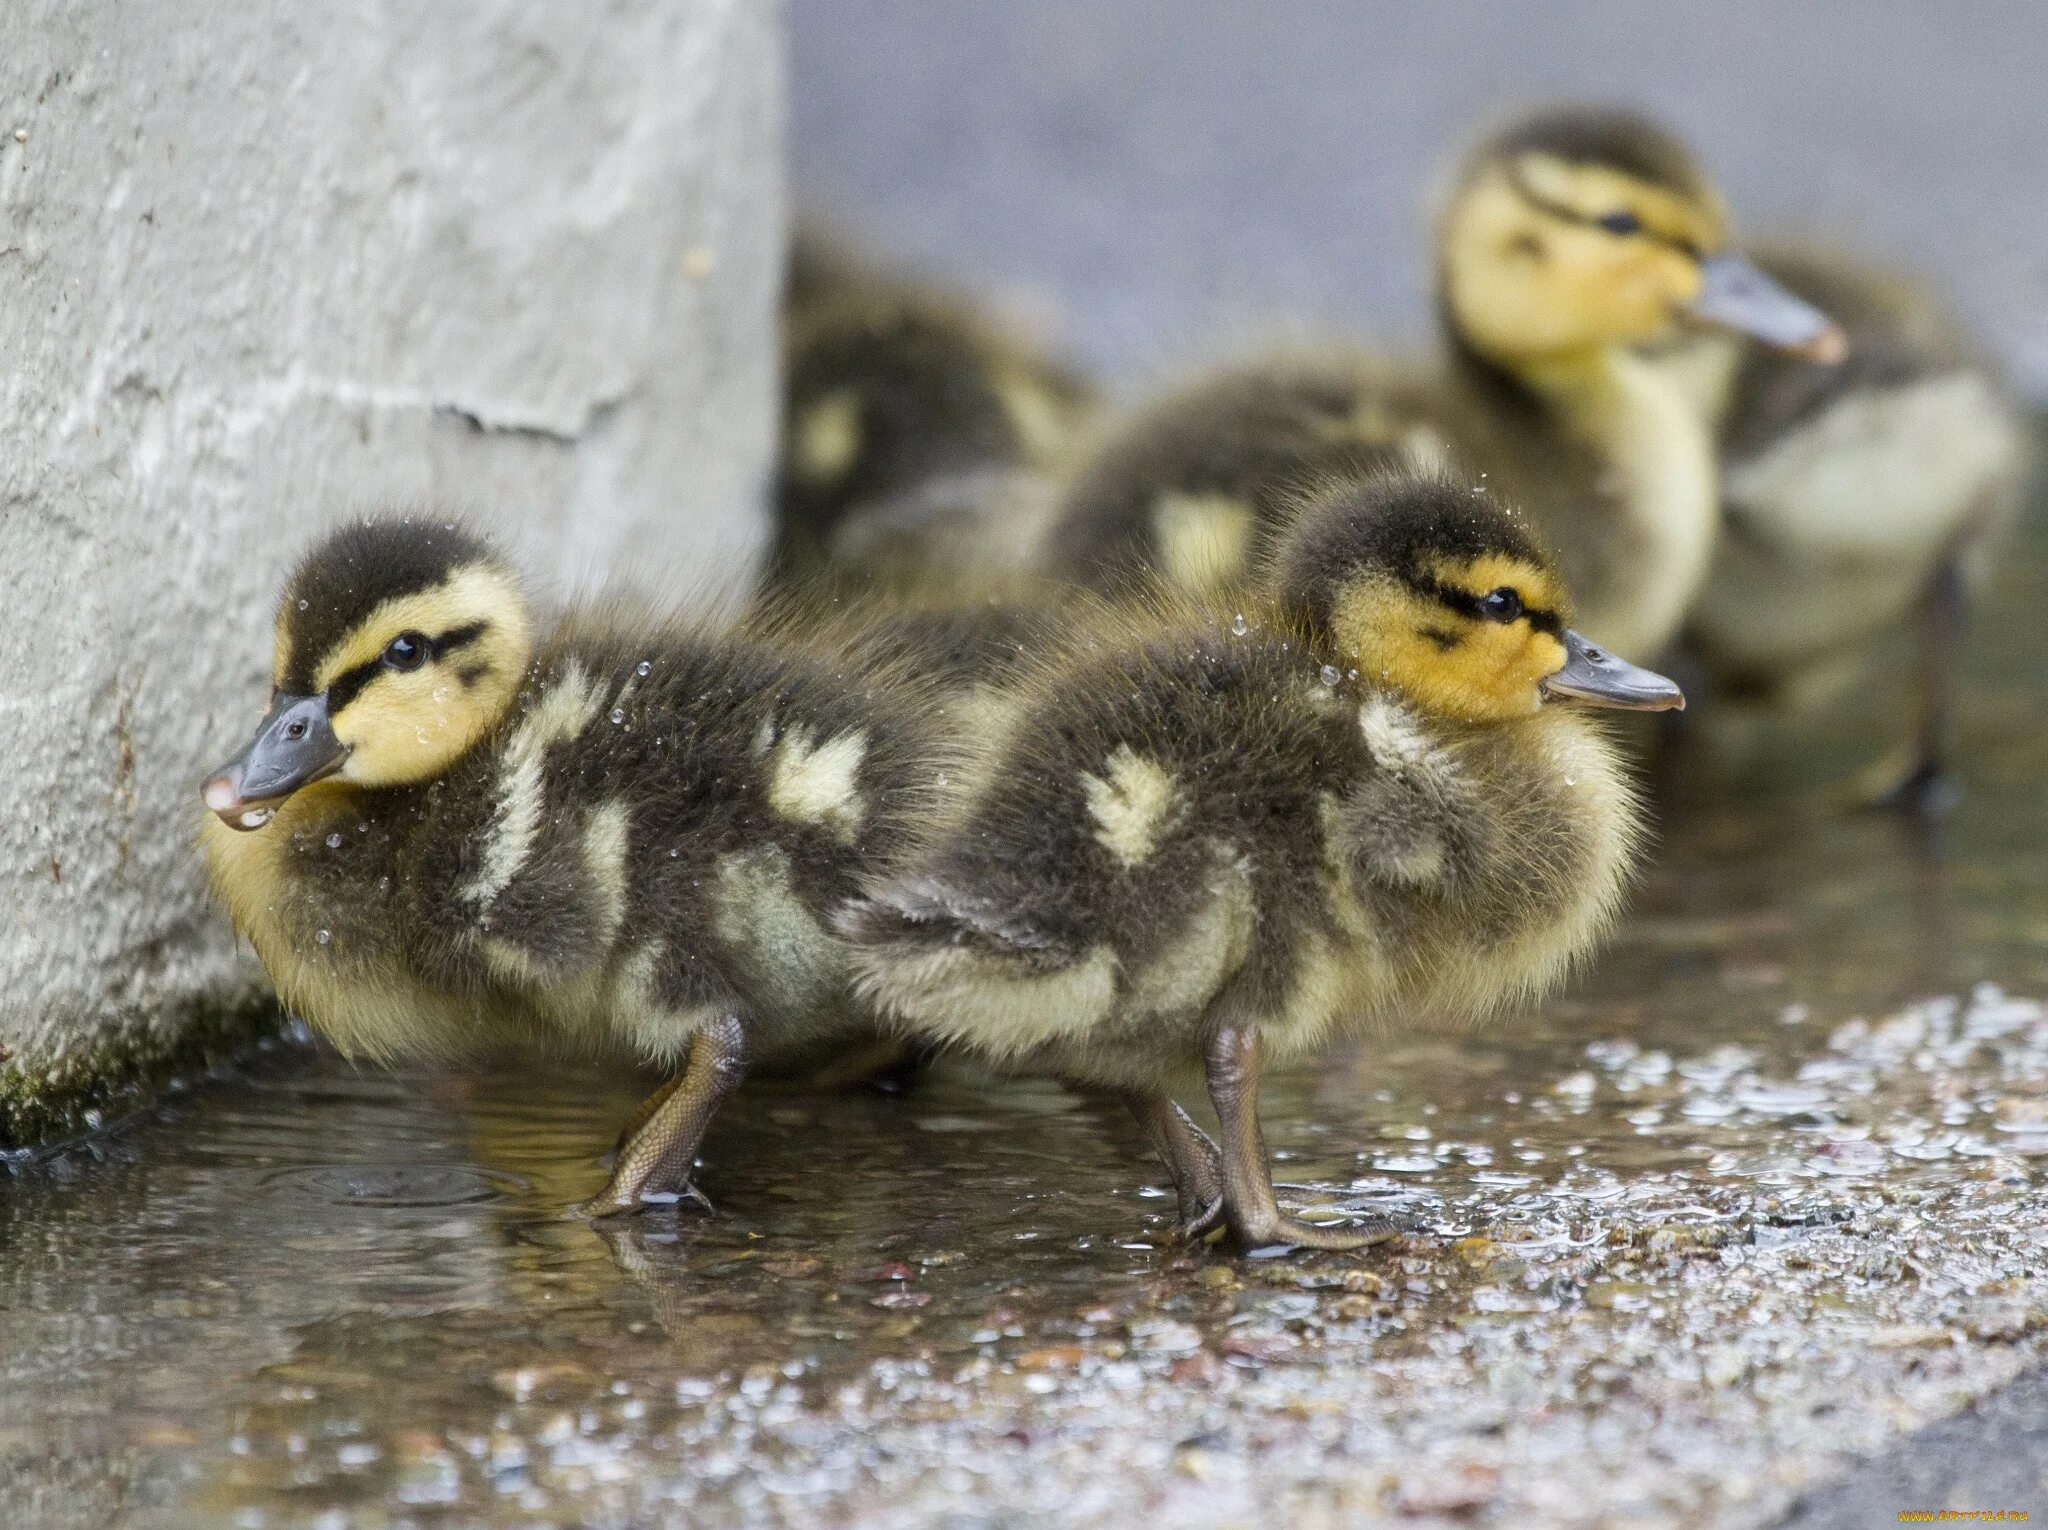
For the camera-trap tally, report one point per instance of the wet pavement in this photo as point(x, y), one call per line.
point(1758, 1198)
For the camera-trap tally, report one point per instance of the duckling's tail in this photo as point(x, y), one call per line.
point(925, 911)
point(960, 970)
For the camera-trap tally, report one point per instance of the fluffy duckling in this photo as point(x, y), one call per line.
point(1856, 499)
point(1207, 843)
point(453, 828)
point(918, 433)
point(1569, 239)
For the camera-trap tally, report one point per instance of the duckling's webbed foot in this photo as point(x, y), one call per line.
point(1195, 1162)
point(654, 1164)
point(1253, 1215)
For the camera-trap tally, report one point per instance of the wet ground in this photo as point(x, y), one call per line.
point(1762, 1196)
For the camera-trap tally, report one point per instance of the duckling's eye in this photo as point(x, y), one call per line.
point(1503, 605)
point(406, 651)
point(1623, 223)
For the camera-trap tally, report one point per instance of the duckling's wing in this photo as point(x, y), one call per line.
point(1888, 453)
point(1880, 470)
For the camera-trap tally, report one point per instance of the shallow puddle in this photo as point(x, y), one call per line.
point(1763, 1192)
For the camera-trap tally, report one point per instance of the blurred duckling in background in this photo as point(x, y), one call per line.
point(965, 641)
point(454, 830)
point(918, 432)
point(1857, 499)
point(1569, 240)
point(1213, 841)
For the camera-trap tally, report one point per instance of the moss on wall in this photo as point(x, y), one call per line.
point(98, 1084)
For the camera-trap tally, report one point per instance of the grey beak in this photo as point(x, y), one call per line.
point(294, 746)
point(1593, 677)
point(1735, 295)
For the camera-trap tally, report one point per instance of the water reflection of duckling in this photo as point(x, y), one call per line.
point(451, 831)
point(1215, 841)
point(1569, 239)
point(918, 432)
point(1858, 498)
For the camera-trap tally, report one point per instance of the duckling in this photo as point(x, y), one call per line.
point(1212, 840)
point(1569, 239)
point(1856, 499)
point(918, 432)
point(455, 827)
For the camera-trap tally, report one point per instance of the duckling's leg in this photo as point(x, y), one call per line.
point(1926, 787)
point(1196, 1165)
point(658, 1160)
point(1248, 1205)
point(642, 1114)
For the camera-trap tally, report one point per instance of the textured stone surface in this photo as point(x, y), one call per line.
point(261, 267)
point(1172, 176)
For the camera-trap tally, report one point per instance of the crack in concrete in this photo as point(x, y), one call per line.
point(498, 420)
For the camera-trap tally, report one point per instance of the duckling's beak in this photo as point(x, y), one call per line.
point(1735, 295)
point(1593, 677)
point(294, 746)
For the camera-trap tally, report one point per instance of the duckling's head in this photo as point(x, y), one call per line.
point(400, 642)
point(1583, 228)
point(1430, 588)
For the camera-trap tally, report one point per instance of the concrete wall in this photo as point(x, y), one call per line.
point(262, 266)
point(1162, 177)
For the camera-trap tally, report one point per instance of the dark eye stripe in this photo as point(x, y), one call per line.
point(457, 637)
point(1565, 214)
point(350, 682)
point(1465, 603)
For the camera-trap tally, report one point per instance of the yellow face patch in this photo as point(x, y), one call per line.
point(410, 725)
point(1530, 273)
point(476, 593)
point(1448, 661)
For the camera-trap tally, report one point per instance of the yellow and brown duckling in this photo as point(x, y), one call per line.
point(1212, 841)
point(455, 828)
point(918, 432)
point(1857, 499)
point(1569, 240)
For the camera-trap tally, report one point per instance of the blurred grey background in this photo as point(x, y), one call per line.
point(1158, 180)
